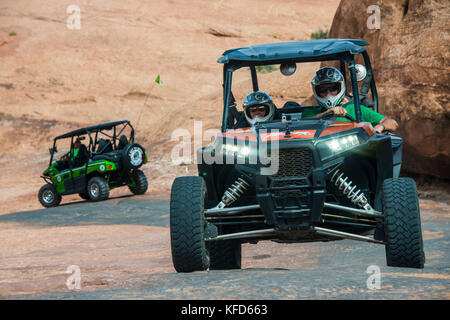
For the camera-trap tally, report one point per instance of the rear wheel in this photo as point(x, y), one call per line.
point(98, 189)
point(225, 254)
point(140, 183)
point(49, 196)
point(187, 224)
point(402, 227)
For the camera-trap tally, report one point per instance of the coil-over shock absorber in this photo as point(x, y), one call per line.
point(356, 196)
point(233, 193)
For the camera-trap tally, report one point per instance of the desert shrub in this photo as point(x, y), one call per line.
point(319, 34)
point(266, 69)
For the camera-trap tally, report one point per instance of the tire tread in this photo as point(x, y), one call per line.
point(187, 224)
point(404, 244)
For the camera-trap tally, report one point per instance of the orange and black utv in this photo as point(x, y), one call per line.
point(295, 179)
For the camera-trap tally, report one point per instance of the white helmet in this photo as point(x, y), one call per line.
point(328, 75)
point(259, 98)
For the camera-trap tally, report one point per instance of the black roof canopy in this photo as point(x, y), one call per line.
point(298, 50)
point(86, 130)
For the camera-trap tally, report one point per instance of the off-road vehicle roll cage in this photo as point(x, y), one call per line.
point(288, 53)
point(96, 130)
point(336, 180)
point(110, 160)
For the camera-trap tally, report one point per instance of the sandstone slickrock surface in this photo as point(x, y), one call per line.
point(410, 55)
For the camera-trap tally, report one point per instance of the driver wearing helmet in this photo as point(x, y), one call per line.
point(76, 157)
point(329, 90)
point(258, 107)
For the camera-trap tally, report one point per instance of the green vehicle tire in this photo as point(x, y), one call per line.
point(49, 196)
point(98, 189)
point(140, 182)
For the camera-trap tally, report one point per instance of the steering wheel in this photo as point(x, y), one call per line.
point(331, 115)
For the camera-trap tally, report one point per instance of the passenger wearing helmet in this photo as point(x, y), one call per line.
point(258, 107)
point(329, 90)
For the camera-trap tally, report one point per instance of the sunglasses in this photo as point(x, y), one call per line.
point(322, 90)
point(257, 108)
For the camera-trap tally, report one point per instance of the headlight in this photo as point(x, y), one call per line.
point(234, 150)
point(337, 145)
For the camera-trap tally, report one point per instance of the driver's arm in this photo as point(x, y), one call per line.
point(338, 112)
point(386, 124)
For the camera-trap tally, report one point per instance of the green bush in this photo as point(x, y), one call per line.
point(319, 34)
point(266, 69)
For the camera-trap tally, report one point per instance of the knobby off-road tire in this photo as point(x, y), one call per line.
point(49, 196)
point(98, 189)
point(187, 224)
point(141, 183)
point(402, 227)
point(225, 255)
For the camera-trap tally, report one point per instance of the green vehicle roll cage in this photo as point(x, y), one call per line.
point(57, 178)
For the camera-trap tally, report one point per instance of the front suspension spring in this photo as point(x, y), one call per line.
point(357, 197)
point(233, 193)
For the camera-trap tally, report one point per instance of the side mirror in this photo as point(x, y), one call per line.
point(361, 72)
point(288, 69)
point(52, 150)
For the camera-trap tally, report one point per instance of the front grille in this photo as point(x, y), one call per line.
point(295, 162)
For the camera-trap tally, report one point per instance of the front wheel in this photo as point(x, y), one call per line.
point(49, 196)
point(402, 227)
point(225, 255)
point(187, 224)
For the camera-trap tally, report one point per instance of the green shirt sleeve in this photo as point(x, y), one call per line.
point(367, 115)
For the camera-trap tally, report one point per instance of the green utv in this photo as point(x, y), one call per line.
point(100, 158)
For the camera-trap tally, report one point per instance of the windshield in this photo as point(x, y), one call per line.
point(280, 88)
point(63, 150)
point(295, 88)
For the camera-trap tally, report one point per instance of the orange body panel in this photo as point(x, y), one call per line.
point(340, 126)
point(247, 134)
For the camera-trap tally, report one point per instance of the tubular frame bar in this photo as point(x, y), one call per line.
point(340, 234)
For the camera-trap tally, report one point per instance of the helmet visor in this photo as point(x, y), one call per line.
point(257, 109)
point(322, 90)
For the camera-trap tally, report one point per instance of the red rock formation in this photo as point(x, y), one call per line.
point(410, 56)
